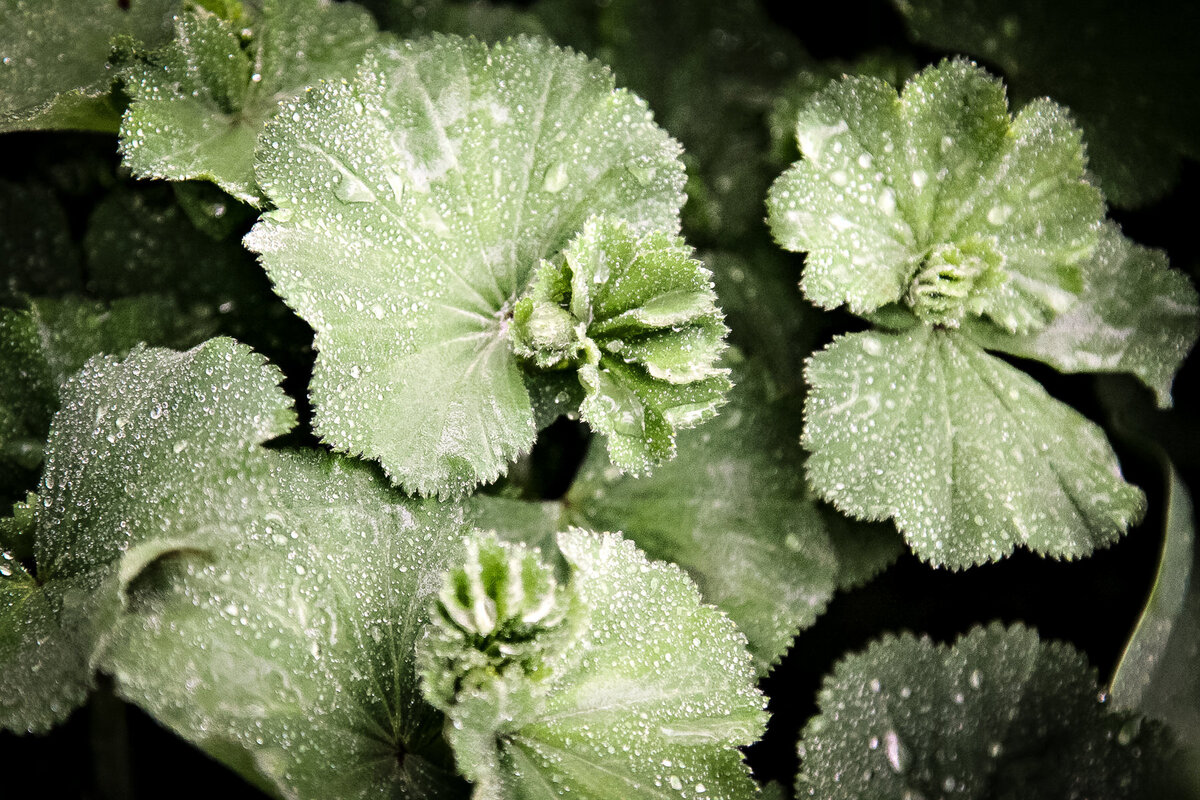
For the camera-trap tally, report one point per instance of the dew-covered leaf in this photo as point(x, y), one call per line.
point(414, 204)
point(137, 465)
point(733, 510)
point(54, 70)
point(626, 687)
point(969, 456)
point(1157, 675)
point(939, 199)
point(637, 316)
point(1135, 315)
point(44, 343)
point(1000, 714)
point(287, 652)
point(1124, 74)
point(199, 104)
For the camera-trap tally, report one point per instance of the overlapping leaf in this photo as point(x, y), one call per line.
point(137, 465)
point(937, 199)
point(199, 104)
point(648, 693)
point(967, 454)
point(54, 54)
point(1135, 315)
point(1000, 714)
point(413, 206)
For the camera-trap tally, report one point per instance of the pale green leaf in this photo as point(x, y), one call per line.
point(286, 651)
point(44, 343)
point(54, 55)
point(938, 198)
point(199, 104)
point(969, 456)
point(1157, 674)
point(1000, 715)
point(446, 171)
point(136, 466)
point(637, 316)
point(1125, 77)
point(636, 691)
point(1135, 315)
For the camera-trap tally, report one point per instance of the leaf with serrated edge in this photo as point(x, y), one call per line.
point(441, 177)
point(1135, 315)
point(199, 104)
point(1000, 714)
point(888, 183)
point(287, 652)
point(54, 73)
point(135, 441)
point(651, 698)
point(968, 455)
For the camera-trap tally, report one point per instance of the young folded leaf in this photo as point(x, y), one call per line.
point(137, 466)
point(637, 317)
point(414, 205)
point(938, 200)
point(1000, 714)
point(618, 684)
point(967, 454)
point(199, 104)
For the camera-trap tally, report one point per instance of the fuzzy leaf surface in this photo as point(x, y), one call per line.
point(306, 617)
point(649, 696)
point(54, 59)
point(1000, 714)
point(105, 507)
point(938, 198)
point(448, 170)
point(969, 456)
point(199, 104)
point(1135, 315)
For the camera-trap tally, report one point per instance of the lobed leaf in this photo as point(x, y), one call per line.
point(969, 456)
point(1000, 714)
point(447, 171)
point(136, 467)
point(199, 104)
point(1135, 315)
point(938, 199)
point(640, 691)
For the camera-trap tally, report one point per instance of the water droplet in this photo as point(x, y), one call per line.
point(555, 179)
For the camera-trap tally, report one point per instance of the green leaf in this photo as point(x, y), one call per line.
point(733, 510)
point(136, 467)
point(285, 650)
point(36, 247)
point(449, 172)
point(199, 104)
point(42, 345)
point(637, 316)
point(1157, 673)
point(1000, 714)
point(54, 55)
point(640, 691)
point(1123, 79)
point(969, 456)
point(939, 199)
point(1135, 315)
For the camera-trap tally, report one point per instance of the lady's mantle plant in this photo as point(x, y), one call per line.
point(485, 238)
point(956, 229)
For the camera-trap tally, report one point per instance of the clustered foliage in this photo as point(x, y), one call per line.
point(376, 428)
